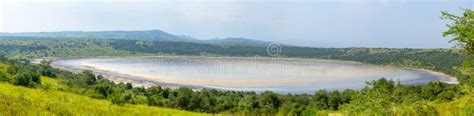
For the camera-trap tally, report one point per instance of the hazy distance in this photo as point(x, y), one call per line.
point(324, 23)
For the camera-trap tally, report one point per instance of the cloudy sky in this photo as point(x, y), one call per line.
point(318, 23)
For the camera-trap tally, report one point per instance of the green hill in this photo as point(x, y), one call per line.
point(18, 100)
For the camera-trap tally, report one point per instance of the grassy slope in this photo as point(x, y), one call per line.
point(48, 100)
point(463, 106)
point(17, 100)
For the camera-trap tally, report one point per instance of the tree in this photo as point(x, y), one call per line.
point(320, 100)
point(28, 79)
point(46, 68)
point(3, 77)
point(184, 97)
point(269, 102)
point(13, 69)
point(462, 31)
point(155, 100)
point(90, 77)
point(3, 56)
point(248, 103)
point(129, 86)
point(117, 98)
point(334, 100)
point(45, 64)
point(104, 89)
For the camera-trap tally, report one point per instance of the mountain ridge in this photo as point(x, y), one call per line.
point(154, 34)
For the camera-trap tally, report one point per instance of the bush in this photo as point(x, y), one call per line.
point(28, 79)
point(184, 96)
point(46, 69)
point(12, 70)
point(117, 99)
point(90, 77)
point(269, 102)
point(3, 77)
point(48, 73)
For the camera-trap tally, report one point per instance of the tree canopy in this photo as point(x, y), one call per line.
point(462, 30)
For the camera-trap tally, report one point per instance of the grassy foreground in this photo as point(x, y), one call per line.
point(18, 100)
point(463, 106)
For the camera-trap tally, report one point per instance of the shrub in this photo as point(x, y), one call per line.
point(28, 79)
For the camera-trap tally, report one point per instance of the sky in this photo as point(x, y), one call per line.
point(315, 23)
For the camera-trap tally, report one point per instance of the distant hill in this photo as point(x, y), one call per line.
point(237, 42)
point(149, 34)
point(140, 35)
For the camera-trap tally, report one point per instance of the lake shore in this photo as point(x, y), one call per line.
point(142, 81)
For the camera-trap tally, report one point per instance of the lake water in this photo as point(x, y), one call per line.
point(282, 75)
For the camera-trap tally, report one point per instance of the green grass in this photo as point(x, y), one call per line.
point(48, 100)
point(17, 100)
point(3, 71)
point(463, 106)
point(50, 83)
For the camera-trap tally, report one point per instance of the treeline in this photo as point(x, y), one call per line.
point(379, 96)
point(444, 60)
point(186, 48)
point(22, 47)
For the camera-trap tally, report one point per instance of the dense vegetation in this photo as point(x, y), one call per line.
point(49, 96)
point(16, 100)
point(380, 96)
point(462, 31)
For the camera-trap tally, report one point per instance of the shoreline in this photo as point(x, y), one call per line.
point(140, 81)
point(115, 77)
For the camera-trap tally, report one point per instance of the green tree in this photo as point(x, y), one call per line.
point(3, 56)
point(462, 30)
point(320, 100)
point(90, 77)
point(28, 79)
point(3, 77)
point(46, 69)
point(184, 97)
point(104, 89)
point(248, 103)
point(117, 98)
point(269, 102)
point(155, 100)
point(13, 69)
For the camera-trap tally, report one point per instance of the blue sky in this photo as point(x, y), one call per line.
point(323, 23)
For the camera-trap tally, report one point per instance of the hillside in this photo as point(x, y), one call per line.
point(156, 35)
point(51, 98)
point(147, 35)
point(237, 42)
point(18, 100)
